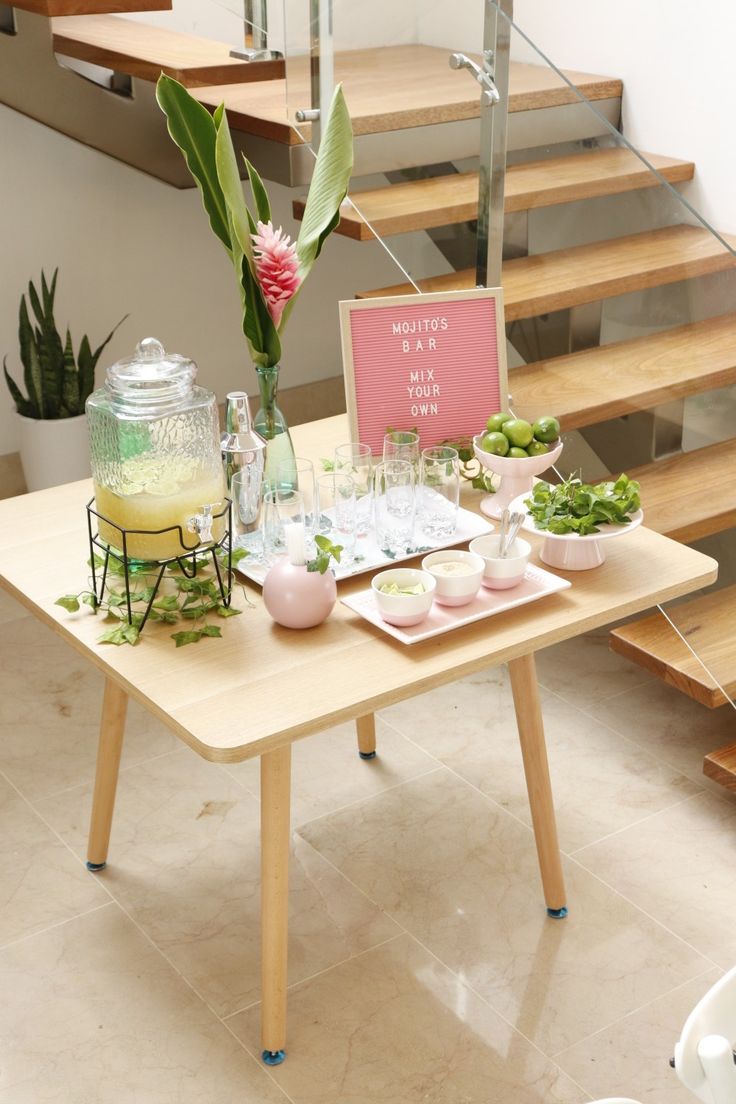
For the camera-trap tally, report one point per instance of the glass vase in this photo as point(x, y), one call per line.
point(271, 424)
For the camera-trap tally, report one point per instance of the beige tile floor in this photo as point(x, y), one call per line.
point(423, 968)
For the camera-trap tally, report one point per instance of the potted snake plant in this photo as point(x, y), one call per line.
point(53, 425)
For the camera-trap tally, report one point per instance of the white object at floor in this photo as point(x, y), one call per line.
point(704, 1056)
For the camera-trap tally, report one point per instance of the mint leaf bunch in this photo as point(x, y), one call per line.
point(576, 507)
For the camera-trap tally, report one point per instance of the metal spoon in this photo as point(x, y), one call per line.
point(509, 537)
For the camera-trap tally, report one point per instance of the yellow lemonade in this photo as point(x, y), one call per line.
point(155, 494)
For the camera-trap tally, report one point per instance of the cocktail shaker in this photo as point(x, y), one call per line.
point(243, 452)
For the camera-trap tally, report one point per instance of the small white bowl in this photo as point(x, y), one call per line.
point(455, 590)
point(404, 609)
point(502, 574)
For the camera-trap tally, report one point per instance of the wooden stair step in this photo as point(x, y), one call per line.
point(90, 7)
point(144, 51)
point(708, 623)
point(613, 380)
point(445, 200)
point(690, 496)
point(586, 273)
point(721, 766)
point(393, 88)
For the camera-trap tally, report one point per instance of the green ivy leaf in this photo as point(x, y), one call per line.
point(183, 638)
point(70, 602)
point(227, 611)
point(89, 599)
point(168, 602)
point(211, 630)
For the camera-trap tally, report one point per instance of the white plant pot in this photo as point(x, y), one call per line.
point(53, 451)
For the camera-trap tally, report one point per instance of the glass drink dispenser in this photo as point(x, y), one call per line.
point(155, 451)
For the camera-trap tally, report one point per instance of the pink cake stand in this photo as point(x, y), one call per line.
point(570, 551)
point(517, 476)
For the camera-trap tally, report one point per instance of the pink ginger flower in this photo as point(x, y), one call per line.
point(276, 268)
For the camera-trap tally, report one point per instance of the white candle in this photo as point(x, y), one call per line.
point(294, 537)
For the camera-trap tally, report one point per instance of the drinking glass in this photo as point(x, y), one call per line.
point(439, 491)
point(281, 508)
point(356, 460)
point(297, 474)
point(337, 511)
point(246, 493)
point(401, 444)
point(395, 505)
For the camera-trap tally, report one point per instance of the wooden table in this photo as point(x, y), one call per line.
point(43, 552)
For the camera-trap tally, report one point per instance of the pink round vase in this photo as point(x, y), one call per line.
point(297, 598)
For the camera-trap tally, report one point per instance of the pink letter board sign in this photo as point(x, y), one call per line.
point(435, 361)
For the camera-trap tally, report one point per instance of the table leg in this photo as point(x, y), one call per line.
point(531, 736)
point(366, 729)
point(112, 728)
point(275, 838)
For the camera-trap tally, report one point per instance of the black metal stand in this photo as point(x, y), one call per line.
point(189, 561)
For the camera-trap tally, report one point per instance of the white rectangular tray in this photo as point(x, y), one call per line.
point(537, 583)
point(369, 557)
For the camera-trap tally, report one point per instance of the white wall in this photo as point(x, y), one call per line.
point(676, 59)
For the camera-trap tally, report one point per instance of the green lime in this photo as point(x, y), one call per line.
point(495, 421)
point(546, 429)
point(518, 453)
point(518, 432)
point(537, 448)
point(495, 443)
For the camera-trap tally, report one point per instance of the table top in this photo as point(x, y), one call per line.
point(262, 685)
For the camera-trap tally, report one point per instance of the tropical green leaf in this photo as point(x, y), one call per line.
point(258, 325)
point(193, 130)
point(263, 207)
point(232, 189)
point(329, 184)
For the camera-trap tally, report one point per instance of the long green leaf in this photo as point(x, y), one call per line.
point(29, 357)
point(263, 207)
point(329, 184)
point(232, 189)
point(193, 130)
point(70, 384)
point(22, 405)
point(257, 322)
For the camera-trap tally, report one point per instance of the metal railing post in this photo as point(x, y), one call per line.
point(255, 17)
point(493, 124)
point(321, 67)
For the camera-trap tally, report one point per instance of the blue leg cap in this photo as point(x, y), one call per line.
point(367, 754)
point(557, 914)
point(96, 867)
point(273, 1057)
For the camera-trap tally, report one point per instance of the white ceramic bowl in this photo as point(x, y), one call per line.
point(455, 590)
point(502, 574)
point(404, 609)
